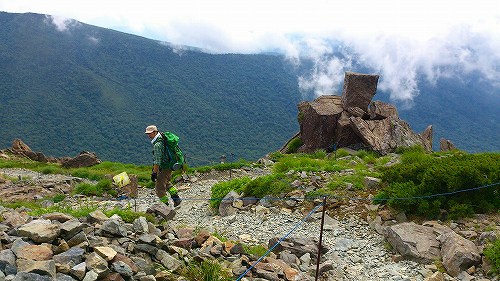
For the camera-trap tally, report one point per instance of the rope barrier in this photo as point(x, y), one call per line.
point(228, 156)
point(279, 241)
point(324, 202)
point(341, 197)
point(344, 197)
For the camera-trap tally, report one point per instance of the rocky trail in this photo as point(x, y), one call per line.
point(356, 251)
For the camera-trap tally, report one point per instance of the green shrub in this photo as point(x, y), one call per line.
point(428, 176)
point(356, 179)
point(207, 270)
point(416, 148)
point(220, 236)
point(128, 215)
point(258, 250)
point(221, 189)
point(458, 210)
point(341, 153)
point(221, 167)
point(368, 156)
point(492, 254)
point(59, 198)
point(294, 145)
point(276, 156)
point(99, 189)
point(80, 212)
point(51, 170)
point(274, 184)
point(99, 172)
point(307, 162)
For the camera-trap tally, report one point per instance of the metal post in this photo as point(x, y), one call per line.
point(320, 237)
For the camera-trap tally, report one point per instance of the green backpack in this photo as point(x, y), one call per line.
point(173, 151)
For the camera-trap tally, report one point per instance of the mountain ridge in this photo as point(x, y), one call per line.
point(231, 104)
point(141, 83)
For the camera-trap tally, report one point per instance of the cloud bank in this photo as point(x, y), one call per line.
point(399, 40)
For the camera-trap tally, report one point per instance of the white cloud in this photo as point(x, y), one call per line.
point(61, 23)
point(93, 39)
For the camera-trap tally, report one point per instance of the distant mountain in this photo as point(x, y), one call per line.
point(90, 88)
point(465, 111)
point(96, 89)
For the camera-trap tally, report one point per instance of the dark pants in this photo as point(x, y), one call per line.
point(163, 182)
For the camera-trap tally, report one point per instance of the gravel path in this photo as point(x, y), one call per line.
point(356, 251)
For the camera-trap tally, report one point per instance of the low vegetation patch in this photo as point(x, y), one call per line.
point(318, 161)
point(128, 215)
point(273, 185)
point(207, 270)
point(492, 254)
point(294, 145)
point(257, 250)
point(423, 177)
point(220, 190)
point(103, 187)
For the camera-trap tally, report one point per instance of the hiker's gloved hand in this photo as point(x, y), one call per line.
point(154, 176)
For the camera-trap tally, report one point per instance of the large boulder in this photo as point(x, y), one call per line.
point(414, 242)
point(354, 120)
point(458, 253)
point(381, 110)
point(317, 121)
point(358, 90)
point(385, 135)
point(84, 159)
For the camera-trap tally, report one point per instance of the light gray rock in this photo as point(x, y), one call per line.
point(414, 242)
point(70, 257)
point(113, 228)
point(226, 205)
point(40, 231)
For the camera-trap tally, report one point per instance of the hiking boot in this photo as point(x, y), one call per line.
point(177, 200)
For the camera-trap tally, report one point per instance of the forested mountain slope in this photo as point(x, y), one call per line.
point(83, 87)
point(89, 88)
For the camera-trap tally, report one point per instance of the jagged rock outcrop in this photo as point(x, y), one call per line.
point(22, 149)
point(446, 145)
point(432, 241)
point(354, 120)
point(19, 148)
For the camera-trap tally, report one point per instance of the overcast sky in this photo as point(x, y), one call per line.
point(398, 39)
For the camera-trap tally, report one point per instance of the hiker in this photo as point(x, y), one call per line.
point(161, 173)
